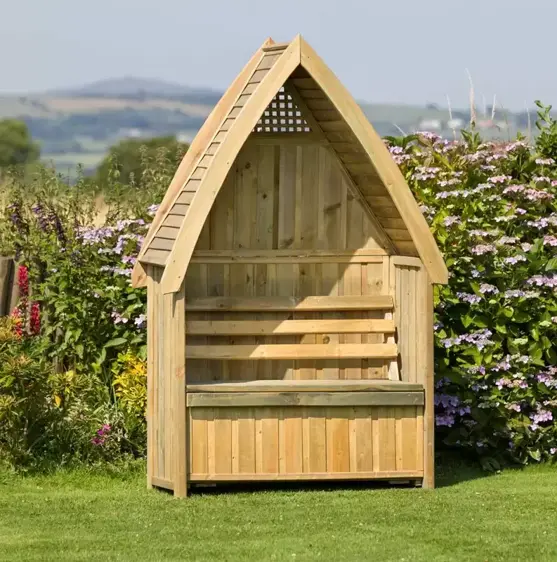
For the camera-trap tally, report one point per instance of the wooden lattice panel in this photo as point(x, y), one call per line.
point(282, 116)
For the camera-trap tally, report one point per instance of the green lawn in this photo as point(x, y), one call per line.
point(470, 516)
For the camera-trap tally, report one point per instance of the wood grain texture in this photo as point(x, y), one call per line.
point(305, 386)
point(277, 304)
point(222, 161)
point(288, 327)
point(292, 351)
point(381, 161)
point(268, 399)
point(305, 443)
point(195, 153)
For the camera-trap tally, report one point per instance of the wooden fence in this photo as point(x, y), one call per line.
point(8, 285)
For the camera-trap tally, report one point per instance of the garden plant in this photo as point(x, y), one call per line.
point(72, 356)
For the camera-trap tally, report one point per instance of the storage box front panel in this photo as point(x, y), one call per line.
point(288, 443)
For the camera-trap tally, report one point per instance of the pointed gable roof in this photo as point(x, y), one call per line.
point(286, 88)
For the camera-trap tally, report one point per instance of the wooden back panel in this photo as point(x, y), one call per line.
point(285, 224)
point(288, 280)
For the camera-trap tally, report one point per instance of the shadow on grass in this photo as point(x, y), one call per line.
point(298, 486)
point(451, 469)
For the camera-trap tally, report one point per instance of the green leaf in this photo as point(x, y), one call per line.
point(116, 342)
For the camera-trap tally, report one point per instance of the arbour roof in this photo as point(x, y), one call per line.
point(286, 89)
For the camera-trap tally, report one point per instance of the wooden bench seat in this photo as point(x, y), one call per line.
point(377, 385)
point(323, 393)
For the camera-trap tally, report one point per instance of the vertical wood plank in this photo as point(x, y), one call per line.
point(338, 436)
point(363, 440)
point(330, 286)
point(317, 439)
point(387, 436)
point(412, 292)
point(223, 441)
point(199, 450)
point(211, 440)
point(287, 196)
point(411, 441)
point(267, 441)
point(246, 440)
point(291, 441)
point(178, 393)
point(222, 214)
point(264, 236)
point(161, 379)
point(389, 282)
point(152, 374)
point(352, 284)
point(429, 414)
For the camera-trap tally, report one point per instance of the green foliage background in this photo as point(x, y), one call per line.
point(491, 206)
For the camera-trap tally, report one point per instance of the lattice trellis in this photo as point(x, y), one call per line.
point(282, 116)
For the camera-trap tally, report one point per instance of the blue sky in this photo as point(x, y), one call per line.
point(405, 51)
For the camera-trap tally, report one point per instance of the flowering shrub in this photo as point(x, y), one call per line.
point(77, 313)
point(80, 327)
point(493, 210)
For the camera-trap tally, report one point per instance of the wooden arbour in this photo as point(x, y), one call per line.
point(289, 273)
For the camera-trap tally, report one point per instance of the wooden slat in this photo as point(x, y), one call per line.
point(257, 76)
point(185, 198)
point(198, 173)
point(334, 126)
point(161, 244)
point(156, 257)
point(365, 255)
point(249, 89)
point(319, 104)
point(314, 399)
point(332, 385)
point(310, 476)
point(179, 210)
point(312, 93)
point(399, 235)
point(169, 233)
point(326, 115)
point(192, 186)
point(292, 351)
point(282, 138)
point(174, 221)
point(268, 327)
point(278, 304)
point(305, 83)
point(268, 61)
point(275, 47)
point(212, 148)
point(241, 101)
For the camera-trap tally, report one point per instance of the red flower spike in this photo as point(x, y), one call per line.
point(23, 281)
point(35, 319)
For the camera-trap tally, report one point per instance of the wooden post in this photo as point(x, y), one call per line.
point(429, 386)
point(178, 373)
point(7, 278)
point(151, 370)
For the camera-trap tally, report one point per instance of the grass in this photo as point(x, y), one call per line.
point(80, 515)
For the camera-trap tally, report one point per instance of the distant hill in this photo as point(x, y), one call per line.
point(78, 125)
point(131, 87)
